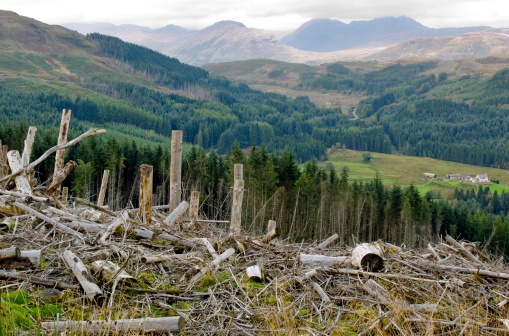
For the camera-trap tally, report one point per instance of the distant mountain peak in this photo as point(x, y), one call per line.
point(227, 24)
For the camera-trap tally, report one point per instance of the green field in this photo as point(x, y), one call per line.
point(405, 170)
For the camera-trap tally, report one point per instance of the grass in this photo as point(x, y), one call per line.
point(406, 170)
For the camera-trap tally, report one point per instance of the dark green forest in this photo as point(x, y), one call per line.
point(309, 204)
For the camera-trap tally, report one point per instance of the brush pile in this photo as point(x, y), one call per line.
point(73, 267)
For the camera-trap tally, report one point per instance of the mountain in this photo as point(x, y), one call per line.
point(470, 45)
point(325, 35)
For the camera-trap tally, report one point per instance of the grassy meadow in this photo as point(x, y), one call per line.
point(405, 170)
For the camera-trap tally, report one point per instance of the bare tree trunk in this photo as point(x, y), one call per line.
point(62, 138)
point(104, 186)
point(176, 169)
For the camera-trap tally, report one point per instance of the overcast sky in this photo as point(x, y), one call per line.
point(272, 15)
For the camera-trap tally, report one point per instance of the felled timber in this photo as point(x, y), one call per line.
point(8, 253)
point(82, 274)
point(37, 280)
point(175, 214)
point(54, 187)
point(254, 272)
point(316, 260)
point(367, 257)
point(158, 325)
point(328, 241)
point(109, 270)
point(119, 220)
point(35, 256)
point(216, 262)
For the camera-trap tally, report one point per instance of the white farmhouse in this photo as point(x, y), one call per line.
point(480, 178)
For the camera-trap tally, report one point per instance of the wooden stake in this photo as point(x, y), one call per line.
point(146, 181)
point(238, 194)
point(82, 274)
point(65, 193)
point(104, 186)
point(54, 187)
point(179, 211)
point(62, 138)
point(147, 325)
point(194, 205)
point(22, 182)
point(175, 169)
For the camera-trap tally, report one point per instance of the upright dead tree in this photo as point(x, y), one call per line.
point(146, 181)
point(238, 194)
point(62, 138)
point(29, 144)
point(104, 186)
point(175, 169)
point(22, 182)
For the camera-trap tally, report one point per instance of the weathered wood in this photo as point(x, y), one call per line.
point(148, 325)
point(62, 139)
point(194, 205)
point(5, 164)
point(20, 195)
point(175, 170)
point(321, 292)
point(463, 250)
point(29, 144)
point(216, 262)
point(367, 257)
point(464, 270)
point(7, 209)
point(98, 208)
point(109, 270)
point(150, 259)
point(146, 181)
point(210, 248)
point(254, 272)
point(104, 187)
point(271, 232)
point(54, 187)
point(36, 280)
point(175, 214)
point(316, 260)
point(119, 220)
point(45, 155)
point(83, 275)
point(181, 241)
point(65, 194)
point(8, 253)
point(35, 256)
point(22, 182)
point(237, 196)
point(328, 241)
point(49, 220)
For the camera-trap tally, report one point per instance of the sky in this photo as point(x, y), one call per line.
point(270, 15)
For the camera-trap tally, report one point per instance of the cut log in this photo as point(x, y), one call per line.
point(254, 273)
point(35, 256)
point(51, 221)
point(210, 248)
point(462, 249)
point(157, 325)
point(20, 195)
point(8, 253)
point(37, 280)
point(119, 220)
point(54, 187)
point(316, 260)
point(104, 187)
point(181, 241)
point(215, 263)
point(175, 170)
point(237, 196)
point(146, 182)
point(150, 259)
point(320, 291)
point(367, 257)
point(22, 182)
point(109, 270)
point(175, 214)
point(328, 241)
point(82, 274)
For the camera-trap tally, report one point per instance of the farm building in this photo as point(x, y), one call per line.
point(480, 178)
point(460, 177)
point(431, 175)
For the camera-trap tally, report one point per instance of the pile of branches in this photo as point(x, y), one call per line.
point(107, 272)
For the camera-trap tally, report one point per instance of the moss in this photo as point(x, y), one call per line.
point(14, 316)
point(18, 297)
point(48, 310)
point(208, 280)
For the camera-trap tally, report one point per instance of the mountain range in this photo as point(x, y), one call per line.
point(315, 42)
